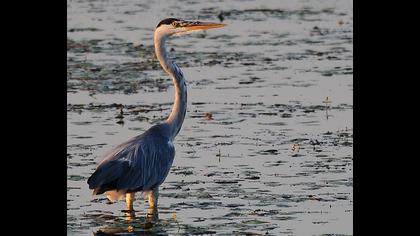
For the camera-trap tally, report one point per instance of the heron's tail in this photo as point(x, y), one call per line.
point(106, 177)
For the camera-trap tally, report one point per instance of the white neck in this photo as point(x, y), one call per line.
point(179, 109)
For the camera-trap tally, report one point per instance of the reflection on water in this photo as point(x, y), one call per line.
point(148, 225)
point(266, 147)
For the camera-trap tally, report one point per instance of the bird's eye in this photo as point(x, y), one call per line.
point(175, 24)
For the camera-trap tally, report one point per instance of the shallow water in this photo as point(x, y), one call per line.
point(276, 156)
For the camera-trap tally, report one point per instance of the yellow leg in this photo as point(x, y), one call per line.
point(153, 198)
point(152, 212)
point(129, 199)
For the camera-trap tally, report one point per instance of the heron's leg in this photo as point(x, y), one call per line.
point(129, 199)
point(152, 215)
point(152, 212)
point(153, 196)
point(129, 216)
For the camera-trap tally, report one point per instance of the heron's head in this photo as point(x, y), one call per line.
point(173, 26)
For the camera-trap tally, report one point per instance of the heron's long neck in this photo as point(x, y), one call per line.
point(176, 118)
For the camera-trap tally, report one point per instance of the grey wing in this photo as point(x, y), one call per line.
point(137, 165)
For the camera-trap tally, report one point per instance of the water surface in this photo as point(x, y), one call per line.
point(267, 144)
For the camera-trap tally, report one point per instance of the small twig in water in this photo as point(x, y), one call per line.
point(327, 102)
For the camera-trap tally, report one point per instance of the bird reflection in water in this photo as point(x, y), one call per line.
point(134, 225)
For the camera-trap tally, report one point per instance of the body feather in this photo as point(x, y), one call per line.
point(140, 164)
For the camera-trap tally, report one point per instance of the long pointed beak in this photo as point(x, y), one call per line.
point(197, 25)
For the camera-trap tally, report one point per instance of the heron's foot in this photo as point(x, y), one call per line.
point(129, 215)
point(152, 214)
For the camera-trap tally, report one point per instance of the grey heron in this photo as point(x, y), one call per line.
point(142, 163)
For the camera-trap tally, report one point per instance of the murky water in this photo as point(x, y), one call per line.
point(267, 144)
